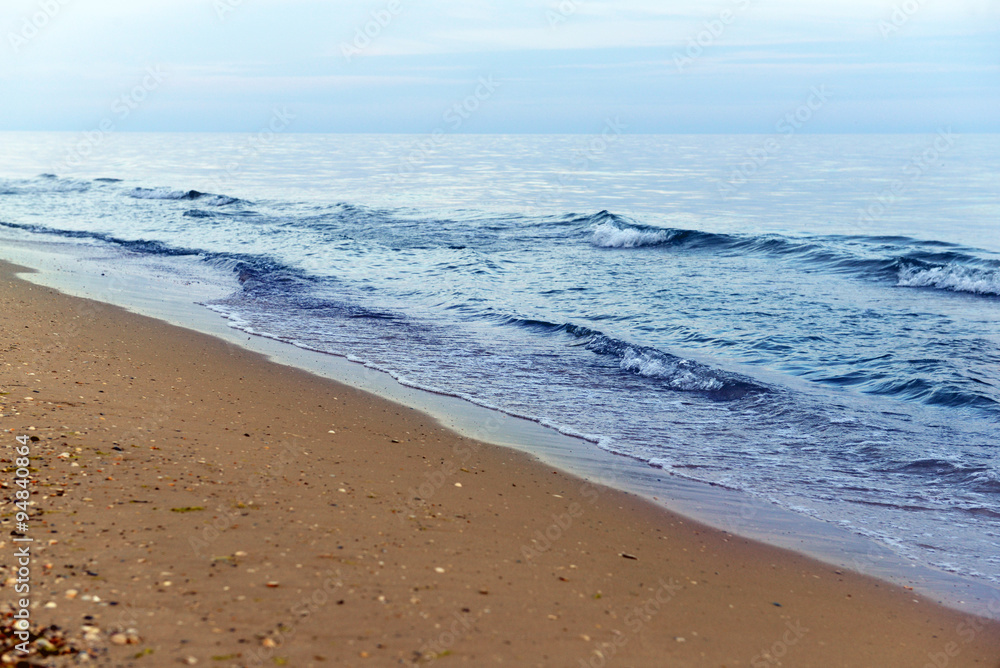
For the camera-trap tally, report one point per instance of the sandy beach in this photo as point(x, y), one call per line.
point(193, 503)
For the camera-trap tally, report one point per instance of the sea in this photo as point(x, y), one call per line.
point(812, 321)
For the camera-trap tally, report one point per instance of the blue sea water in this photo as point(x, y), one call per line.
point(811, 320)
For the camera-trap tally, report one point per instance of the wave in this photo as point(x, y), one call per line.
point(607, 235)
point(904, 261)
point(136, 245)
point(44, 183)
point(676, 373)
point(955, 278)
point(207, 213)
point(610, 230)
point(198, 213)
point(177, 195)
point(256, 273)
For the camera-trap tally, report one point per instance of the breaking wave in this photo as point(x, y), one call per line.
point(607, 235)
point(951, 277)
point(671, 371)
point(907, 262)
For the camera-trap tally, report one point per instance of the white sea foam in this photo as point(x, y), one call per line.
point(680, 374)
point(951, 277)
point(607, 235)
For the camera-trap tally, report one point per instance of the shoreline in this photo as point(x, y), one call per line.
point(233, 507)
point(63, 268)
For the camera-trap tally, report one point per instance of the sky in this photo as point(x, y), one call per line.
point(488, 66)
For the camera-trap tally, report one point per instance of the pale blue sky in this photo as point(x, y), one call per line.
point(529, 66)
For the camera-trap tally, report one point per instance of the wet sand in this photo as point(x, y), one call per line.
point(194, 503)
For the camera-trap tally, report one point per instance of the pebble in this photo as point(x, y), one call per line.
point(129, 637)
